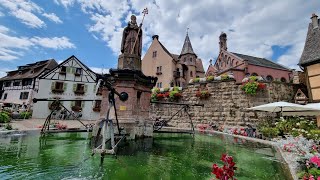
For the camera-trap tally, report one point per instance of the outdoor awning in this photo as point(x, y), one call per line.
point(315, 112)
point(282, 107)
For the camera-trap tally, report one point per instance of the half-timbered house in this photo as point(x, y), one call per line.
point(70, 80)
point(21, 85)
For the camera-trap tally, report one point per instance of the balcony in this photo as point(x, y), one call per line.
point(80, 92)
point(176, 74)
point(57, 90)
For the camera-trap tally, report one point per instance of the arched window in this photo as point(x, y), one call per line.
point(190, 59)
point(225, 57)
point(283, 79)
point(232, 62)
point(191, 75)
point(184, 59)
point(229, 61)
point(237, 63)
point(269, 78)
point(254, 74)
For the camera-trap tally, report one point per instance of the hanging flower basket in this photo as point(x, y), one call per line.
point(202, 94)
point(76, 108)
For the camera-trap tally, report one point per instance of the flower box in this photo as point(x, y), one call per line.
point(76, 108)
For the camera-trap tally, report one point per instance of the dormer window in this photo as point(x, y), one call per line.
point(32, 71)
point(63, 70)
point(20, 72)
point(78, 71)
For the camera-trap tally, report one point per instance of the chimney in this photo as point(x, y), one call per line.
point(155, 36)
point(314, 19)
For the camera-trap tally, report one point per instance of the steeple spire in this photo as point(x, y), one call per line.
point(187, 47)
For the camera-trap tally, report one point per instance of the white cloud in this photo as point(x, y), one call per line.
point(53, 17)
point(65, 3)
point(14, 47)
point(53, 43)
point(253, 27)
point(1, 14)
point(100, 70)
point(3, 71)
point(28, 18)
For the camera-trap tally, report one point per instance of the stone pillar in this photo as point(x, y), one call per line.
point(133, 114)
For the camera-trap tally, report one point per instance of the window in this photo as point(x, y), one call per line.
point(159, 70)
point(159, 85)
point(237, 63)
point(32, 71)
point(184, 59)
point(283, 79)
point(97, 104)
point(5, 96)
point(78, 71)
point(16, 83)
point(24, 95)
point(269, 78)
point(254, 74)
point(190, 59)
point(63, 70)
point(191, 75)
point(59, 86)
point(7, 84)
point(26, 82)
point(154, 54)
point(79, 88)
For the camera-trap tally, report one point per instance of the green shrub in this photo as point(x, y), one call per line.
point(8, 126)
point(176, 88)
point(253, 78)
point(270, 132)
point(155, 90)
point(196, 79)
point(210, 78)
point(154, 97)
point(174, 95)
point(250, 88)
point(4, 117)
point(315, 134)
point(25, 115)
point(224, 77)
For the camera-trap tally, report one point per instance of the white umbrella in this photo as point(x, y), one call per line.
point(283, 107)
point(315, 112)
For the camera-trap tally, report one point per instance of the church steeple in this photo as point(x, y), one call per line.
point(187, 47)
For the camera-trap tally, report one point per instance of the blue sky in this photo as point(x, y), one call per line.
point(32, 30)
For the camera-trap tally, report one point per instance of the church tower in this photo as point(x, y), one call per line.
point(223, 41)
point(188, 60)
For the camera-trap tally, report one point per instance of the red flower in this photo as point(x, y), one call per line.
point(167, 94)
point(198, 94)
point(261, 86)
point(160, 96)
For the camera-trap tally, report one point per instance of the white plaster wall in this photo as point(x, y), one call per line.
point(41, 110)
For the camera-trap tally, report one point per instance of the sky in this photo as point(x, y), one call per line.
point(34, 30)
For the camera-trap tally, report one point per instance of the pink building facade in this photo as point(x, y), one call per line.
point(241, 66)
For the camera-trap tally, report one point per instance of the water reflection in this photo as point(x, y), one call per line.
point(166, 156)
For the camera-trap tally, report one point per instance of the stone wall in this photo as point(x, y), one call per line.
point(227, 104)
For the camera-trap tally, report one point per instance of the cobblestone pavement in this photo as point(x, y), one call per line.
point(31, 124)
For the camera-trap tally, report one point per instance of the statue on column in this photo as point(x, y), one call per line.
point(132, 41)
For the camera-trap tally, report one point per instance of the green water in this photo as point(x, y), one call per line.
point(166, 156)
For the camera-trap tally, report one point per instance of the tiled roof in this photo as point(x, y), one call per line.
point(175, 57)
point(30, 70)
point(311, 51)
point(199, 66)
point(187, 47)
point(261, 61)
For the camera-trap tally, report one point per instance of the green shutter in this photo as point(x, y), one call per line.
point(74, 87)
point(53, 85)
point(94, 88)
point(85, 88)
point(68, 69)
point(73, 103)
point(82, 104)
point(65, 86)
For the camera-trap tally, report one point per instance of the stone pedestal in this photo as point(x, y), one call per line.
point(129, 61)
point(133, 114)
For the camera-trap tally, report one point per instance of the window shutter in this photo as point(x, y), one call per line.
point(53, 85)
point(65, 86)
point(20, 96)
point(68, 69)
point(73, 70)
point(82, 104)
point(94, 88)
point(85, 88)
point(74, 87)
point(73, 103)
